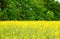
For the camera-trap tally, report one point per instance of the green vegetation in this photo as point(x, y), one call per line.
point(28, 33)
point(29, 10)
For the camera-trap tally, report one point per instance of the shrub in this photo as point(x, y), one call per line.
point(29, 10)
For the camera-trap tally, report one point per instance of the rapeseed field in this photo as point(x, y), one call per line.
point(29, 30)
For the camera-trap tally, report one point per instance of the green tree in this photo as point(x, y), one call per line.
point(30, 10)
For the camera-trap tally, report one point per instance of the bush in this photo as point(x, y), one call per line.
point(29, 10)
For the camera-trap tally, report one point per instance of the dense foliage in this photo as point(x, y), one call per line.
point(29, 10)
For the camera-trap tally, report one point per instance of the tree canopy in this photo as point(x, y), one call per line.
point(29, 10)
